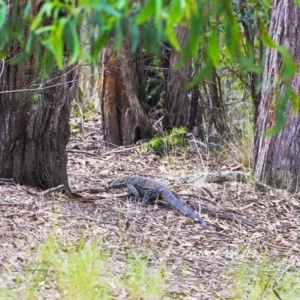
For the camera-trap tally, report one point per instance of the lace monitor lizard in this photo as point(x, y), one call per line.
point(151, 189)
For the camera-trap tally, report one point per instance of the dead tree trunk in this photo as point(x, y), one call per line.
point(277, 158)
point(34, 122)
point(113, 98)
point(123, 98)
point(136, 121)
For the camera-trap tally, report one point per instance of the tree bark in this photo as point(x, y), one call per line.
point(112, 96)
point(136, 121)
point(277, 158)
point(195, 119)
point(177, 100)
point(123, 97)
point(34, 123)
point(217, 107)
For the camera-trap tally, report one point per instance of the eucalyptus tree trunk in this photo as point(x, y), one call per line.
point(123, 97)
point(177, 101)
point(34, 120)
point(277, 158)
point(136, 120)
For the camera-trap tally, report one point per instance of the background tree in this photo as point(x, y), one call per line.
point(127, 120)
point(35, 106)
point(277, 158)
point(123, 96)
point(177, 98)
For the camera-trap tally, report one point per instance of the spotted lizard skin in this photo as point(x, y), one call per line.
point(151, 189)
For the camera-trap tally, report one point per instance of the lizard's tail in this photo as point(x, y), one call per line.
point(188, 212)
point(181, 207)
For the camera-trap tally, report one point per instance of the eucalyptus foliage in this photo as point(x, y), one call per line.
point(55, 28)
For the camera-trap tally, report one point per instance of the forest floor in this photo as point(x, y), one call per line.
point(235, 261)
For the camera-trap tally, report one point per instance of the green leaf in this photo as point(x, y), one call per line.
point(46, 8)
point(150, 37)
point(206, 72)
point(23, 56)
point(281, 107)
point(146, 12)
point(100, 42)
point(50, 62)
point(28, 50)
point(276, 128)
point(295, 101)
point(158, 10)
point(248, 64)
point(54, 41)
point(265, 37)
point(196, 35)
point(3, 10)
point(27, 9)
point(72, 40)
point(118, 36)
point(135, 33)
point(171, 34)
point(37, 20)
point(232, 35)
point(109, 9)
point(213, 49)
point(48, 28)
point(289, 66)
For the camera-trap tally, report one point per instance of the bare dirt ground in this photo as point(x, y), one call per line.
point(198, 262)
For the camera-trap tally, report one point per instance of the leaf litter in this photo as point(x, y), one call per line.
point(197, 261)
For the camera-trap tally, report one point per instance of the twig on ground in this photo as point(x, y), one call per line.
point(58, 188)
point(81, 152)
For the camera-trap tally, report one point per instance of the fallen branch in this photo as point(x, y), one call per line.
point(58, 188)
point(213, 177)
point(221, 214)
point(81, 152)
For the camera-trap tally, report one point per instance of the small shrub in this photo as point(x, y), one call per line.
point(162, 144)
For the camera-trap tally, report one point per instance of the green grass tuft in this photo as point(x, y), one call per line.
point(86, 270)
point(268, 280)
point(142, 281)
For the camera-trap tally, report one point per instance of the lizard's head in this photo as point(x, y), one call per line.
point(109, 185)
point(119, 182)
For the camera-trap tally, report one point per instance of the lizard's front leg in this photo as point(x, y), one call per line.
point(150, 195)
point(133, 191)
